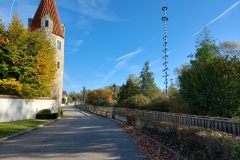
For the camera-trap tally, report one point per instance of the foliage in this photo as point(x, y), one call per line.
point(212, 88)
point(206, 48)
point(147, 84)
point(46, 114)
point(229, 49)
point(130, 89)
point(69, 98)
point(74, 96)
point(131, 119)
point(209, 86)
point(43, 116)
point(195, 142)
point(161, 105)
point(45, 111)
point(27, 62)
point(135, 102)
point(99, 97)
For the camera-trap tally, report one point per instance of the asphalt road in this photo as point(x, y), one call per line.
point(77, 136)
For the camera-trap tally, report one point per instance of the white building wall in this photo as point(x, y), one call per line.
point(20, 109)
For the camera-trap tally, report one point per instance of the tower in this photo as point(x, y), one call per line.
point(165, 57)
point(47, 20)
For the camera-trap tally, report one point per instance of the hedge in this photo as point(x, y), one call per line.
point(46, 114)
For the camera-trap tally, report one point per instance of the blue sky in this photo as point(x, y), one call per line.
point(106, 40)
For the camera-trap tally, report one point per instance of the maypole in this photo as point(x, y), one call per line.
point(165, 57)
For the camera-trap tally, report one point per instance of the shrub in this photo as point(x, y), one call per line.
point(135, 102)
point(45, 111)
point(43, 116)
point(159, 105)
point(196, 142)
point(131, 119)
point(46, 114)
point(61, 113)
point(55, 115)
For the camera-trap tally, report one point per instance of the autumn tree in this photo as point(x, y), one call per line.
point(27, 62)
point(99, 97)
point(229, 48)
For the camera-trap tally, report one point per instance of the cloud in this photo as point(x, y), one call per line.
point(97, 9)
point(74, 49)
point(75, 45)
point(69, 81)
point(84, 23)
point(220, 16)
point(16, 7)
point(121, 64)
point(78, 43)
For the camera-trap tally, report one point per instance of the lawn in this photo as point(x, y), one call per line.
point(10, 128)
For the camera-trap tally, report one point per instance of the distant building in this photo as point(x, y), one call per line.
point(64, 98)
point(47, 20)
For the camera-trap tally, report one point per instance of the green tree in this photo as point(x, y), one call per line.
point(27, 62)
point(209, 84)
point(212, 88)
point(69, 99)
point(130, 89)
point(147, 84)
point(206, 48)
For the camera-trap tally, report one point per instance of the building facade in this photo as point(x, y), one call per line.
point(47, 20)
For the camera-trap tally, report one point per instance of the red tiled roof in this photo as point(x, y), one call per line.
point(48, 7)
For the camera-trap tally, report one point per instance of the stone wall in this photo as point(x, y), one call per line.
point(14, 109)
point(57, 90)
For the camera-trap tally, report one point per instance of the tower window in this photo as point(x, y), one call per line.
point(58, 65)
point(59, 45)
point(46, 23)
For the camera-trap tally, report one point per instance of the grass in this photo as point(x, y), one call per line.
point(10, 128)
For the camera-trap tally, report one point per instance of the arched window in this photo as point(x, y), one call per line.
point(46, 23)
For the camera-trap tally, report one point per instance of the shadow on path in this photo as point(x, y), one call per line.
point(78, 135)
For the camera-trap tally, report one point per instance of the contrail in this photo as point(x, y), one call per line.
point(12, 9)
point(130, 54)
point(223, 13)
point(161, 58)
point(220, 15)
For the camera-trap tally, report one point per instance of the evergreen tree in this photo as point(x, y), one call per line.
point(206, 48)
point(130, 89)
point(147, 84)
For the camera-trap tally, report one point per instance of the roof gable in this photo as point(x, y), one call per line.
point(48, 7)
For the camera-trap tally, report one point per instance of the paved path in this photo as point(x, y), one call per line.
point(77, 136)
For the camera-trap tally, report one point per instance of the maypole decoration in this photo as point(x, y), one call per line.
point(165, 57)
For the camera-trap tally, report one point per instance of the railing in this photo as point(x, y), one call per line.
point(223, 124)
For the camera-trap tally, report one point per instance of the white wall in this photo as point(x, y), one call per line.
point(12, 109)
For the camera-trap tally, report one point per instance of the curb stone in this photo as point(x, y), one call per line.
point(27, 131)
